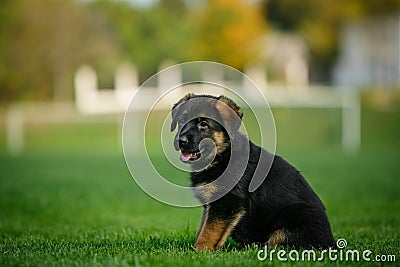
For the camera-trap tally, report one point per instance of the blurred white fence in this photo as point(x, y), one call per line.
point(90, 100)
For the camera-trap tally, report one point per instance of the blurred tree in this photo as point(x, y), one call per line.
point(149, 36)
point(225, 31)
point(46, 41)
point(287, 14)
point(7, 15)
point(222, 30)
point(319, 21)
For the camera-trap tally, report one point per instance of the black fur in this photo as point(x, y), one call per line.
point(284, 201)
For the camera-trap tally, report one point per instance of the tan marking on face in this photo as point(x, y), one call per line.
point(214, 233)
point(219, 141)
point(218, 137)
point(210, 156)
point(277, 238)
point(184, 112)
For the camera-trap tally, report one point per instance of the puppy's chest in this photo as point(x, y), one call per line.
point(204, 191)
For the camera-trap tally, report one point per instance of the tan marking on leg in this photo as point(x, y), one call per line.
point(215, 232)
point(202, 221)
point(277, 238)
point(210, 235)
point(232, 225)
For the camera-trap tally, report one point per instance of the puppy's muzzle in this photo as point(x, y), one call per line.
point(181, 141)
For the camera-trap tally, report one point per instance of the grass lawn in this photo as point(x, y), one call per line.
point(70, 200)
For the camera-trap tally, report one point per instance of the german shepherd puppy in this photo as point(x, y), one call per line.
point(282, 211)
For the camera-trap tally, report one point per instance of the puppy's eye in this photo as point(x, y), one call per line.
point(203, 125)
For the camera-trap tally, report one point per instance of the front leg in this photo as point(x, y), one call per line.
point(203, 218)
point(215, 228)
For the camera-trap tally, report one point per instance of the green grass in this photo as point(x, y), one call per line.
point(70, 200)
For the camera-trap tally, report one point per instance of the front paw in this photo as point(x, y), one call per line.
point(205, 246)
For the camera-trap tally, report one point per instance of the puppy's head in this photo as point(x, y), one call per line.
point(205, 126)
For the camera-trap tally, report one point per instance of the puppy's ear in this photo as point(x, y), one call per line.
point(227, 108)
point(175, 109)
point(183, 99)
point(174, 119)
point(229, 102)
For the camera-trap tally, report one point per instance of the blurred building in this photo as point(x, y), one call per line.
point(369, 53)
point(286, 56)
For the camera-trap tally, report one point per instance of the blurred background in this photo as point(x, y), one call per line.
point(330, 69)
point(44, 42)
point(81, 51)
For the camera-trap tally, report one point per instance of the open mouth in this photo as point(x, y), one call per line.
point(187, 156)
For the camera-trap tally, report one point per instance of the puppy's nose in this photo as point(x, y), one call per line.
point(183, 140)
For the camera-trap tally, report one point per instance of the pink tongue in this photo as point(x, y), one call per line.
point(186, 156)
